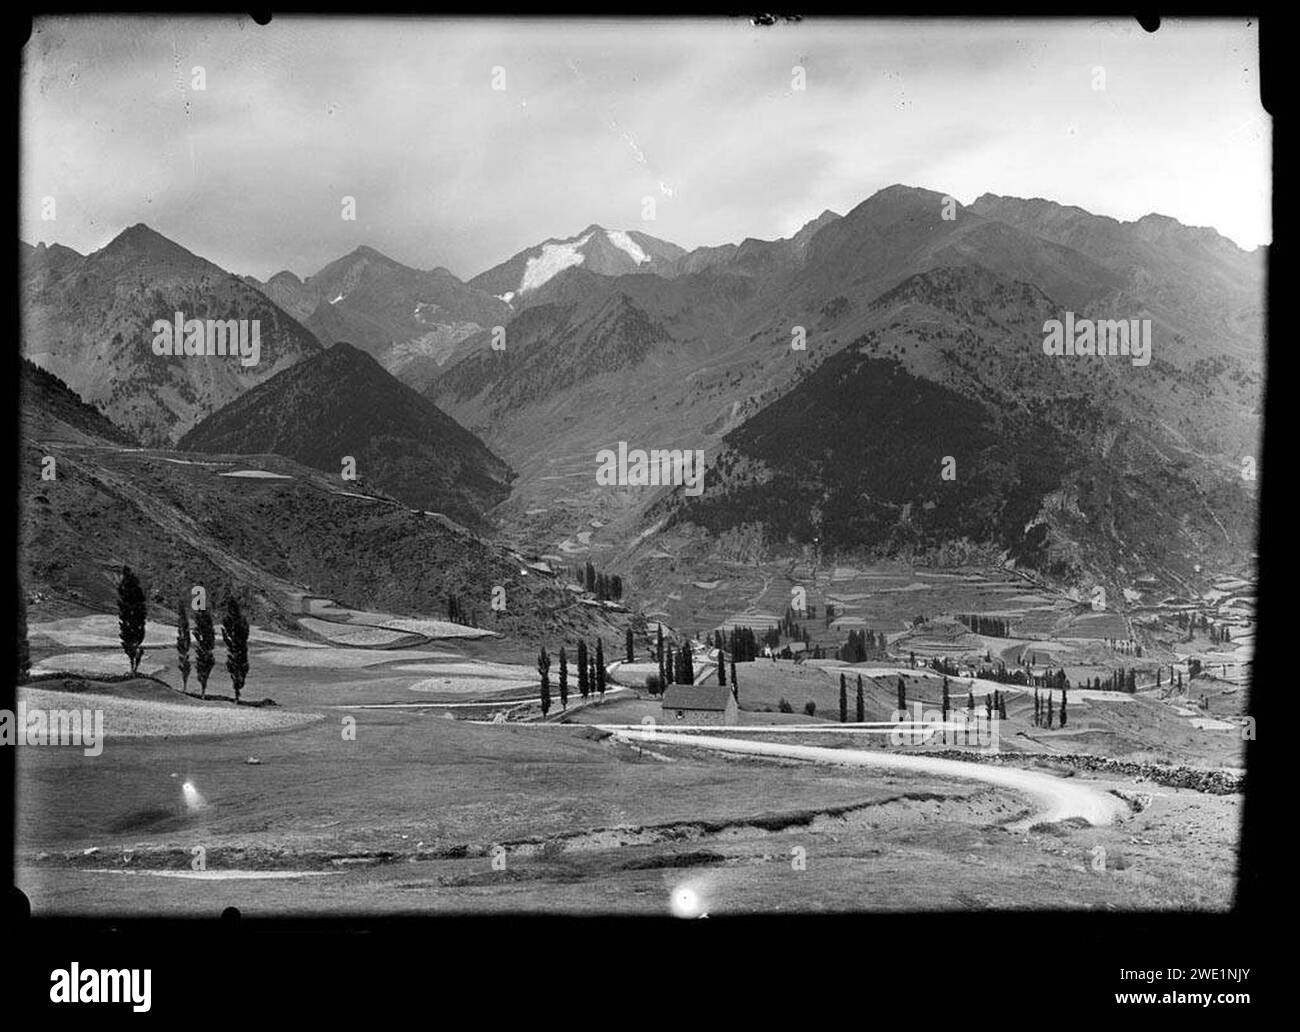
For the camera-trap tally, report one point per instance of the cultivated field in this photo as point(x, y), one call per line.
point(387, 780)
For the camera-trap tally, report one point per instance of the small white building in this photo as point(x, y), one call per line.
point(699, 704)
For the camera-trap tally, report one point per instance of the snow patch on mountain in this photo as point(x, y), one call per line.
point(553, 260)
point(625, 243)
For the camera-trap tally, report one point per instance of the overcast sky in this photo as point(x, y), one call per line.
point(595, 117)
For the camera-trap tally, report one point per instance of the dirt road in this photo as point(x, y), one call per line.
point(1055, 799)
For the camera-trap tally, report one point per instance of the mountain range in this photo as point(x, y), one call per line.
point(827, 376)
point(88, 319)
point(400, 315)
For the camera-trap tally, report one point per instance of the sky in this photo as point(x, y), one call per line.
point(462, 142)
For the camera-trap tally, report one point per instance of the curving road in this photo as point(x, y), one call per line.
point(1055, 799)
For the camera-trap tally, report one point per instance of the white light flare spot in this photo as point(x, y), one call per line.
point(686, 902)
point(193, 801)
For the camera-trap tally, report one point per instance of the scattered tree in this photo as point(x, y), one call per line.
point(132, 611)
point(544, 669)
point(234, 633)
point(205, 648)
point(183, 644)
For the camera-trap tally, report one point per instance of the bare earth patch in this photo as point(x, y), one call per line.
point(342, 658)
point(93, 663)
point(145, 718)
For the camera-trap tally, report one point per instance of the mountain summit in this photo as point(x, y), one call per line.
point(89, 321)
point(605, 252)
point(342, 403)
point(406, 318)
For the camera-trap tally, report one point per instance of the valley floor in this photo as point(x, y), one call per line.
point(389, 780)
point(424, 814)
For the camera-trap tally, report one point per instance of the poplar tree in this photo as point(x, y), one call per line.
point(584, 689)
point(600, 667)
point(234, 633)
point(844, 701)
point(564, 678)
point(631, 658)
point(544, 669)
point(862, 703)
point(205, 645)
point(183, 644)
point(131, 613)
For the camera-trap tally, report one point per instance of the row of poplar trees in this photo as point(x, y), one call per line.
point(677, 666)
point(591, 673)
point(1045, 710)
point(132, 614)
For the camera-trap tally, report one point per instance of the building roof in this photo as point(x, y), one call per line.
point(697, 696)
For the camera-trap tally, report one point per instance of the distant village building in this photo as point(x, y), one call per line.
point(699, 704)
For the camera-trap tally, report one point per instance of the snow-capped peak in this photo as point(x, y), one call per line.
point(554, 259)
point(624, 242)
